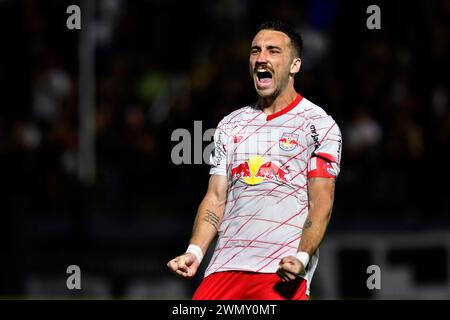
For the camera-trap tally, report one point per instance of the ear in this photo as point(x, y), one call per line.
point(295, 66)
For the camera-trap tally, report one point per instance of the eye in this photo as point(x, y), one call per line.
point(274, 51)
point(254, 51)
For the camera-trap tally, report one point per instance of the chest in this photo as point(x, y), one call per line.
point(262, 151)
point(279, 139)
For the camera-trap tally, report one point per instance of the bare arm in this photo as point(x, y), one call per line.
point(321, 198)
point(210, 213)
point(206, 224)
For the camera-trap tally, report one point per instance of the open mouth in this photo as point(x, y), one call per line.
point(264, 77)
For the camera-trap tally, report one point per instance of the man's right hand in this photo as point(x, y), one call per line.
point(184, 266)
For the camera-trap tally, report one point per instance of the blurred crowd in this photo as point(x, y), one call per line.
point(161, 65)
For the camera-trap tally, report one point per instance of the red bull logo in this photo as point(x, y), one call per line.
point(257, 170)
point(288, 141)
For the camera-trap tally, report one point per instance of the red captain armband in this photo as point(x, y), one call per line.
point(321, 168)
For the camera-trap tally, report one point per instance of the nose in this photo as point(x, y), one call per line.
point(261, 57)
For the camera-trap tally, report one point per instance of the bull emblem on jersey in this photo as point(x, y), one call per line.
point(288, 141)
point(257, 170)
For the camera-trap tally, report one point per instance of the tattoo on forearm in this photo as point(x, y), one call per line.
point(212, 218)
point(308, 224)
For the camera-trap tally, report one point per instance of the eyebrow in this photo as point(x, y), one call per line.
point(269, 47)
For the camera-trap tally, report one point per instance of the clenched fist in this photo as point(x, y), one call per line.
point(184, 266)
point(290, 268)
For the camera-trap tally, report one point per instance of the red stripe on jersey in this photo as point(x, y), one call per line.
point(266, 232)
point(286, 109)
point(327, 132)
point(271, 258)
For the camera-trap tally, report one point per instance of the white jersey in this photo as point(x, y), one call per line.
point(266, 160)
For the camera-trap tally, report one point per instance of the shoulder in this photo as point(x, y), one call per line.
point(234, 118)
point(323, 134)
point(316, 115)
point(312, 110)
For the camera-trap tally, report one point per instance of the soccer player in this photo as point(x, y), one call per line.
point(271, 190)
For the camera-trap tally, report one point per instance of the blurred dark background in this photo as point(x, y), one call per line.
point(161, 65)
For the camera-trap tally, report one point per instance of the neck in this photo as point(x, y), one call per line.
point(271, 105)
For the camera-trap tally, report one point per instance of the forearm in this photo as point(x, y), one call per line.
point(207, 222)
point(321, 200)
point(320, 197)
point(313, 232)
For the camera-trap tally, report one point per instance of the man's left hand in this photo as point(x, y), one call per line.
point(290, 268)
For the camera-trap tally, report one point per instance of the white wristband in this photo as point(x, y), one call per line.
point(303, 257)
point(196, 251)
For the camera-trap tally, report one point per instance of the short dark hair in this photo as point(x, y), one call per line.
point(296, 38)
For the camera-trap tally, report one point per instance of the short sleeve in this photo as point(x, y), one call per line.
point(324, 142)
point(218, 158)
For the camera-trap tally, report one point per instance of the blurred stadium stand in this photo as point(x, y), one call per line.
point(161, 65)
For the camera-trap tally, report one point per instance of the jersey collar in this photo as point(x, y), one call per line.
point(291, 106)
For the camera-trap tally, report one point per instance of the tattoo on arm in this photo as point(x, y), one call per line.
point(212, 218)
point(308, 224)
